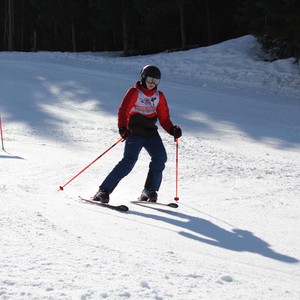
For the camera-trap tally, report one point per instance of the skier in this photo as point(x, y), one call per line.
point(142, 105)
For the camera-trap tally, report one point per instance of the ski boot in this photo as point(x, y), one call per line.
point(148, 195)
point(101, 196)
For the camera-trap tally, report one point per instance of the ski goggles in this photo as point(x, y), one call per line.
point(151, 80)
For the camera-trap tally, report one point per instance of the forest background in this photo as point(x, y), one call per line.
point(143, 27)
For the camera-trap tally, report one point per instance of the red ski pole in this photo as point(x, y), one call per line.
point(176, 198)
point(61, 188)
point(1, 134)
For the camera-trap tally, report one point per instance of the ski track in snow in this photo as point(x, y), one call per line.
point(236, 232)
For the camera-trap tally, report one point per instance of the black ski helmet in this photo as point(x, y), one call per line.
point(151, 71)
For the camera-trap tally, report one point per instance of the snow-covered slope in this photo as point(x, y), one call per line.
point(236, 232)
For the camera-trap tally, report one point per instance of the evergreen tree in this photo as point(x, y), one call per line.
point(276, 23)
point(141, 27)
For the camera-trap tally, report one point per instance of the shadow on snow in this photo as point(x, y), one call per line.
point(207, 232)
point(11, 157)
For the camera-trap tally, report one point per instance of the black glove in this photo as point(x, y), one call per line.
point(175, 131)
point(124, 132)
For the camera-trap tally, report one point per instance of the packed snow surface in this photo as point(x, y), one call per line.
point(236, 233)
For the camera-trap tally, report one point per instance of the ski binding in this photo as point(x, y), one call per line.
point(122, 208)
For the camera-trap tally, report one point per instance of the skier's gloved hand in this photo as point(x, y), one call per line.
point(176, 132)
point(124, 132)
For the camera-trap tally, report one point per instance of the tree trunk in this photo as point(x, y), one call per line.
point(73, 34)
point(125, 30)
point(182, 24)
point(208, 24)
point(10, 29)
point(34, 41)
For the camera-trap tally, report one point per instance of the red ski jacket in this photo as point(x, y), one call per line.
point(140, 110)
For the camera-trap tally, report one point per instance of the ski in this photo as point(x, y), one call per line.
point(122, 208)
point(145, 203)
